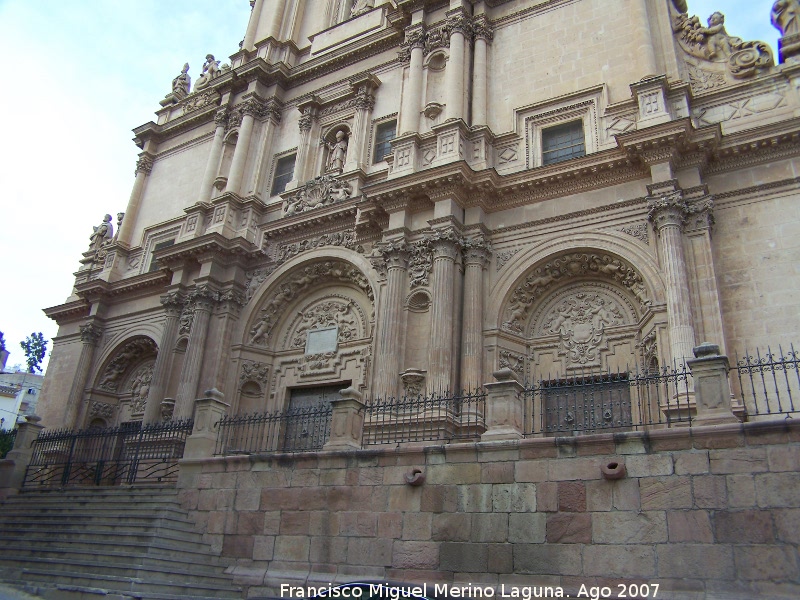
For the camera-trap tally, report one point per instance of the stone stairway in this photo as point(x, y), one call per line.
point(115, 543)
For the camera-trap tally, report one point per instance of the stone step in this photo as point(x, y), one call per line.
point(154, 573)
point(77, 592)
point(104, 538)
point(115, 553)
point(129, 585)
point(152, 546)
point(97, 523)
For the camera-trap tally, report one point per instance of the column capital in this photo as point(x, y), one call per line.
point(221, 117)
point(309, 109)
point(446, 243)
point(396, 254)
point(482, 28)
point(458, 22)
point(203, 297)
point(145, 163)
point(477, 251)
point(91, 333)
point(667, 210)
point(415, 39)
point(700, 213)
point(173, 302)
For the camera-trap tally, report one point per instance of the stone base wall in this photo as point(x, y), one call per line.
point(706, 512)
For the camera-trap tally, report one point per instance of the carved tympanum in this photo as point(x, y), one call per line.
point(129, 355)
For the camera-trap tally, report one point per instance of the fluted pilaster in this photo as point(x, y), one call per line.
point(143, 168)
point(446, 245)
point(668, 214)
point(390, 330)
point(207, 185)
point(173, 304)
point(483, 36)
point(412, 95)
point(250, 110)
point(202, 300)
point(476, 257)
point(90, 335)
point(459, 26)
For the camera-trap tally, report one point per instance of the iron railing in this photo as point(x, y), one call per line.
point(294, 430)
point(437, 417)
point(588, 403)
point(770, 382)
point(126, 454)
point(7, 438)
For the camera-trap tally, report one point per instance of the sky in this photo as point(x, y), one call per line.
point(78, 77)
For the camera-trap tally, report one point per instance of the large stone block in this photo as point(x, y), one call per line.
point(292, 548)
point(766, 562)
point(390, 525)
point(741, 491)
point(501, 559)
point(710, 491)
point(690, 526)
point(629, 527)
point(625, 494)
point(695, 561)
point(415, 555)
point(369, 552)
point(531, 471)
point(439, 498)
point(571, 496)
point(328, 550)
point(358, 524)
point(739, 460)
point(548, 559)
point(649, 465)
point(475, 498)
point(547, 496)
point(250, 523)
point(454, 474)
point(417, 526)
point(787, 523)
point(659, 493)
point(569, 528)
point(452, 527)
point(778, 489)
point(489, 527)
point(263, 547)
point(599, 495)
point(744, 527)
point(238, 546)
point(630, 562)
point(463, 558)
point(692, 463)
point(295, 523)
point(783, 458)
point(520, 497)
point(527, 528)
point(497, 472)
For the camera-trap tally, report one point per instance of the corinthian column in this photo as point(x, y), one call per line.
point(365, 102)
point(389, 332)
point(173, 304)
point(90, 335)
point(203, 300)
point(483, 35)
point(252, 25)
point(250, 110)
point(476, 257)
point(143, 167)
point(207, 185)
point(309, 109)
point(668, 214)
point(446, 244)
point(411, 106)
point(459, 26)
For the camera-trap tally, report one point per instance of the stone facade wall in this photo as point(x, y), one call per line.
point(706, 512)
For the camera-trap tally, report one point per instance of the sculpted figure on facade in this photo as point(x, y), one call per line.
point(102, 234)
point(361, 6)
point(211, 70)
point(337, 153)
point(182, 83)
point(785, 16)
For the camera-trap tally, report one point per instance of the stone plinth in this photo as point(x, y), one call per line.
point(505, 413)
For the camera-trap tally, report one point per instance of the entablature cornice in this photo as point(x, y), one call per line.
point(209, 247)
point(69, 311)
point(777, 141)
point(338, 218)
point(131, 287)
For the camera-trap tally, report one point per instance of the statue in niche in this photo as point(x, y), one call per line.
point(102, 234)
point(182, 83)
point(784, 17)
point(361, 6)
point(337, 153)
point(211, 70)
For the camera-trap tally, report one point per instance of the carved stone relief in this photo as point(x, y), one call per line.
point(512, 360)
point(639, 231)
point(504, 256)
point(294, 283)
point(130, 354)
point(420, 263)
point(317, 193)
point(340, 312)
point(254, 371)
point(139, 389)
point(345, 239)
point(560, 269)
point(103, 410)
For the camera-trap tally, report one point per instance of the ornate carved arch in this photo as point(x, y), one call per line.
point(124, 360)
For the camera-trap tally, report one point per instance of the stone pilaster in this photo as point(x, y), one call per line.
point(90, 335)
point(210, 174)
point(411, 106)
point(173, 305)
point(459, 26)
point(365, 102)
point(484, 33)
point(143, 168)
point(309, 109)
point(202, 301)
point(446, 244)
point(347, 422)
point(250, 110)
point(252, 26)
point(668, 214)
point(272, 114)
point(505, 411)
point(390, 338)
point(22, 452)
point(476, 258)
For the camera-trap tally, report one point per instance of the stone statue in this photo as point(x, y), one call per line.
point(784, 16)
point(718, 43)
point(182, 83)
point(210, 71)
point(101, 234)
point(361, 6)
point(338, 153)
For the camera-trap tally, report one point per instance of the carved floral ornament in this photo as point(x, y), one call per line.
point(298, 281)
point(716, 49)
point(254, 371)
point(560, 269)
point(319, 192)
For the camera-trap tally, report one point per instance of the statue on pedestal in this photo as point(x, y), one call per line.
point(101, 234)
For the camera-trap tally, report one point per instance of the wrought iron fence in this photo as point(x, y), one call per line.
point(7, 438)
point(583, 404)
point(294, 430)
point(126, 454)
point(439, 417)
point(770, 382)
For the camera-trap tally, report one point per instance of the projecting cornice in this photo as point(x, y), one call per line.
point(211, 246)
point(140, 285)
point(69, 311)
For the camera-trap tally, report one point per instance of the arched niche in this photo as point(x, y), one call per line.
point(124, 380)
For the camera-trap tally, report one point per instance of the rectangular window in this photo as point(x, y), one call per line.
point(156, 248)
point(384, 135)
point(284, 171)
point(563, 142)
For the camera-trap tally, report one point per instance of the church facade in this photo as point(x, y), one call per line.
point(405, 196)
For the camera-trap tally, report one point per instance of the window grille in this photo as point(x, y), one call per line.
point(563, 142)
